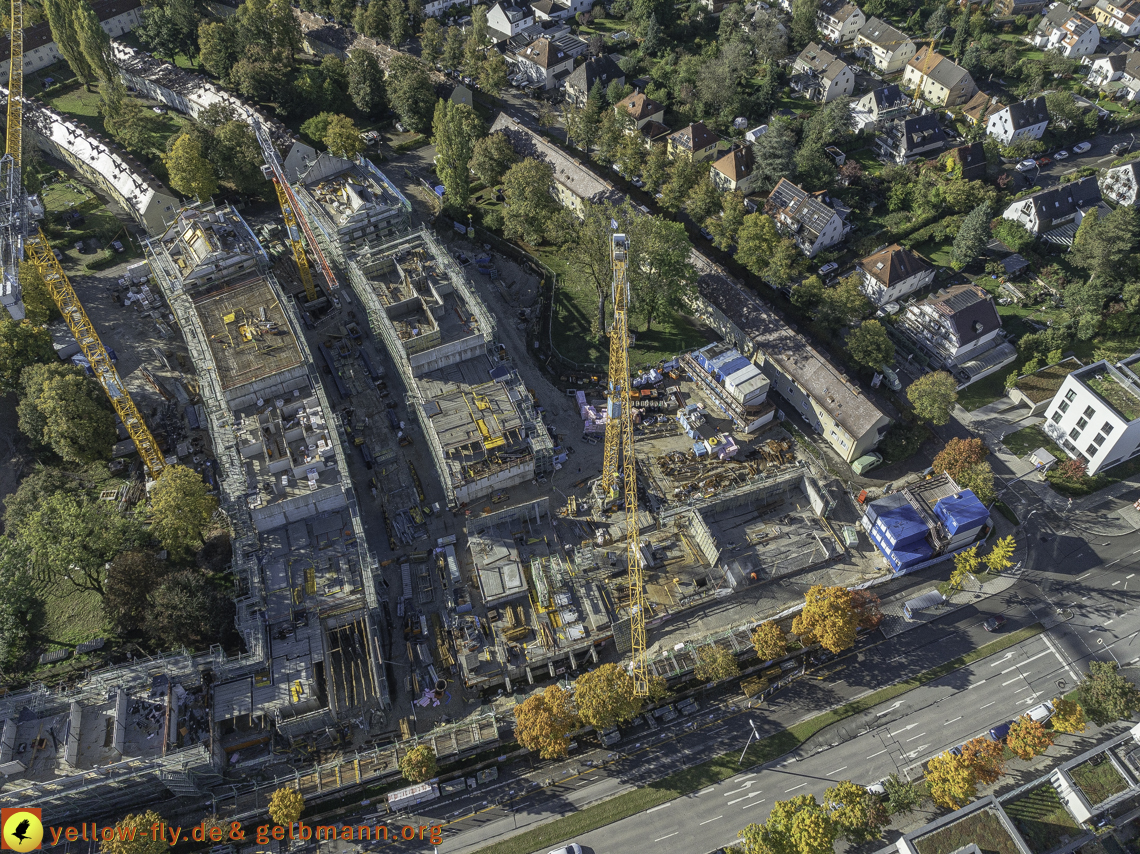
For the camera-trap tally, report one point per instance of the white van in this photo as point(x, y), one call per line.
point(1041, 713)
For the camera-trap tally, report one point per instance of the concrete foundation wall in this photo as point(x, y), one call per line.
point(278, 386)
point(520, 473)
point(449, 354)
point(300, 507)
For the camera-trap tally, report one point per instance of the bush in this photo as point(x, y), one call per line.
point(1012, 234)
point(902, 441)
point(1071, 478)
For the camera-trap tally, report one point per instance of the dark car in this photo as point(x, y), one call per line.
point(1044, 160)
point(956, 751)
point(994, 623)
point(999, 732)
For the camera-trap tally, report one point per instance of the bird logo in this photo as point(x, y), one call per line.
point(22, 830)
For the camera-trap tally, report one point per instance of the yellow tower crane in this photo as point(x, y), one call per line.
point(294, 232)
point(16, 239)
point(619, 451)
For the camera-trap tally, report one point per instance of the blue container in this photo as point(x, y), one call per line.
point(910, 555)
point(961, 512)
point(900, 526)
point(730, 368)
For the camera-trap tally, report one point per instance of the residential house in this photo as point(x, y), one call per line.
point(117, 17)
point(1066, 31)
point(642, 108)
point(1024, 120)
point(597, 70)
point(654, 133)
point(1013, 8)
point(1057, 208)
point(1118, 74)
point(938, 80)
point(805, 217)
point(1107, 67)
point(880, 105)
point(892, 273)
point(888, 49)
point(1121, 184)
point(695, 141)
point(906, 140)
point(461, 95)
point(971, 159)
point(435, 8)
point(959, 330)
point(506, 19)
point(839, 21)
point(977, 110)
point(1124, 17)
point(1095, 415)
point(735, 171)
point(550, 10)
point(822, 76)
point(544, 62)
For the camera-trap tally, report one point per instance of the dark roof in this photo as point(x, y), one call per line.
point(1027, 113)
point(653, 130)
point(882, 34)
point(1065, 199)
point(945, 72)
point(888, 97)
point(695, 137)
point(597, 69)
point(893, 265)
point(918, 132)
point(1013, 264)
point(969, 310)
point(972, 158)
point(800, 207)
point(39, 35)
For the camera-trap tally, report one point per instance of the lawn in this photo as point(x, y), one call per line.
point(1041, 818)
point(935, 251)
point(604, 26)
point(69, 617)
point(983, 828)
point(867, 160)
point(1027, 440)
point(986, 390)
point(69, 195)
point(1098, 782)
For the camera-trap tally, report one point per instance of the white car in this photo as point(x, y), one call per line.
point(572, 848)
point(1026, 165)
point(829, 267)
point(1062, 154)
point(1081, 147)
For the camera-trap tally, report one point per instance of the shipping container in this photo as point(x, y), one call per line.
point(961, 512)
point(709, 352)
point(921, 603)
point(730, 367)
point(412, 795)
point(901, 525)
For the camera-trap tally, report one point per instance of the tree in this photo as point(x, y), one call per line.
point(827, 618)
point(260, 74)
point(529, 203)
point(986, 759)
point(715, 663)
point(342, 137)
point(703, 200)
point(803, 28)
point(867, 608)
point(605, 696)
point(797, 826)
point(660, 276)
point(756, 241)
point(190, 173)
point(94, 41)
point(237, 157)
point(952, 781)
point(999, 556)
point(590, 244)
point(170, 27)
point(493, 73)
point(973, 235)
point(1068, 716)
point(18, 602)
point(1105, 246)
point(21, 344)
point(285, 806)
point(397, 14)
point(133, 835)
point(958, 455)
point(726, 227)
point(61, 20)
point(775, 154)
point(431, 41)
point(857, 814)
point(902, 797)
point(39, 307)
point(769, 641)
point(366, 80)
point(870, 346)
point(217, 48)
point(933, 396)
point(631, 155)
point(842, 305)
point(181, 509)
point(966, 564)
point(611, 134)
point(1105, 695)
point(979, 479)
point(453, 49)
point(127, 120)
point(455, 129)
point(189, 611)
point(491, 157)
point(1028, 738)
point(130, 580)
point(63, 409)
point(419, 764)
point(543, 722)
point(410, 92)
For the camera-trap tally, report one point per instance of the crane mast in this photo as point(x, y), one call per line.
point(13, 205)
point(619, 451)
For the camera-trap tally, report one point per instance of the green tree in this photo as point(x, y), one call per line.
point(828, 618)
point(530, 204)
point(726, 227)
point(842, 305)
point(631, 155)
point(902, 796)
point(22, 344)
point(611, 133)
point(133, 835)
point(18, 602)
point(1105, 246)
point(808, 293)
point(316, 127)
point(130, 580)
point(775, 154)
point(127, 120)
point(584, 124)
point(491, 157)
point(973, 235)
point(217, 47)
point(544, 721)
point(933, 396)
point(660, 276)
point(410, 92)
point(857, 814)
point(366, 81)
point(188, 611)
point(605, 696)
point(39, 307)
point(285, 806)
point(683, 177)
point(63, 409)
point(61, 20)
point(181, 508)
point(237, 157)
point(966, 565)
point(785, 265)
point(453, 49)
point(493, 73)
point(419, 764)
point(703, 200)
point(715, 663)
point(803, 22)
point(979, 479)
point(769, 641)
point(756, 241)
point(431, 41)
point(398, 27)
point(590, 247)
point(190, 172)
point(656, 171)
point(342, 137)
point(869, 345)
point(170, 27)
point(94, 41)
point(1106, 695)
point(455, 129)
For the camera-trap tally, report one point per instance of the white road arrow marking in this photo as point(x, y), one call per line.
point(904, 729)
point(741, 789)
point(888, 711)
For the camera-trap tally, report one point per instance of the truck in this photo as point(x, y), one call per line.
point(920, 603)
point(418, 794)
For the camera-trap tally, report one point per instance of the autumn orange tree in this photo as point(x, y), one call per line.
point(285, 806)
point(715, 663)
point(606, 696)
point(959, 455)
point(855, 812)
point(1028, 738)
point(828, 618)
point(141, 841)
point(986, 757)
point(1068, 716)
point(952, 780)
point(867, 609)
point(419, 764)
point(798, 826)
point(544, 721)
point(769, 641)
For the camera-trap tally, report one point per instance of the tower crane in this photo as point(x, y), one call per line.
point(619, 451)
point(15, 239)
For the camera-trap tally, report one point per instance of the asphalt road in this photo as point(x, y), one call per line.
point(1098, 156)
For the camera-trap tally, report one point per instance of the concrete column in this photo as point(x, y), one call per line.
point(529, 675)
point(550, 664)
point(507, 684)
point(573, 663)
point(594, 654)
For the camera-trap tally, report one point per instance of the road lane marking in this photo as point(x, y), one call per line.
point(659, 808)
point(754, 803)
point(800, 786)
point(976, 684)
point(1068, 667)
point(710, 821)
point(1034, 658)
point(1130, 575)
point(1019, 690)
point(745, 776)
point(663, 838)
point(1010, 681)
point(1086, 575)
point(920, 735)
point(745, 798)
point(1007, 657)
point(837, 770)
point(743, 788)
point(1008, 670)
point(987, 705)
point(873, 755)
point(1115, 583)
point(706, 791)
point(955, 719)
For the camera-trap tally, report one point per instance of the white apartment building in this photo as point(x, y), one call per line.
point(1095, 415)
point(839, 21)
point(1069, 33)
point(1023, 120)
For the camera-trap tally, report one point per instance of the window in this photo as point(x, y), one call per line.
point(1099, 440)
point(1070, 394)
point(1082, 423)
point(1092, 449)
point(1063, 406)
point(1106, 429)
point(1074, 433)
point(1089, 412)
point(1057, 417)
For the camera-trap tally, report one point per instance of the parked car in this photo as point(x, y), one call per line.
point(1026, 165)
point(572, 848)
point(1062, 154)
point(1120, 148)
point(1044, 160)
point(1041, 713)
point(1081, 147)
point(994, 623)
point(706, 234)
point(829, 267)
point(999, 732)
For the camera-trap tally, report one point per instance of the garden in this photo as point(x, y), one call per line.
point(1041, 818)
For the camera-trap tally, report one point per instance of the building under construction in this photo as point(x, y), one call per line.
point(308, 603)
point(478, 417)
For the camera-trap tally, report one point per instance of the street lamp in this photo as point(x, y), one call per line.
point(753, 735)
point(1100, 642)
